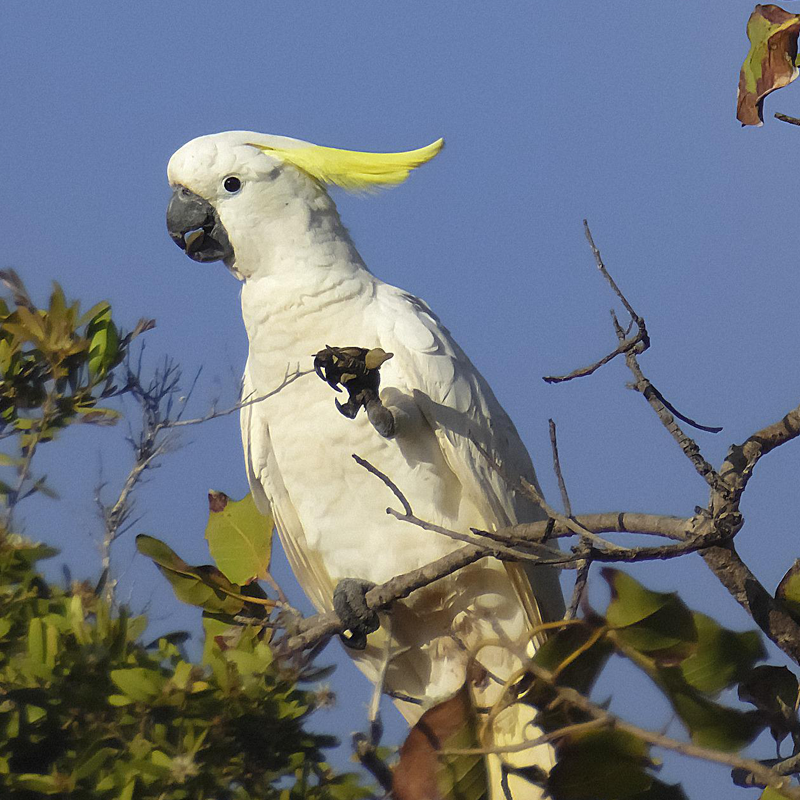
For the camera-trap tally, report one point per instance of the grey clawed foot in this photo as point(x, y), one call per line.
point(357, 369)
point(351, 607)
point(380, 417)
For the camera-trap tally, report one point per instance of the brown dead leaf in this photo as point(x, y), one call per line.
point(424, 774)
point(770, 64)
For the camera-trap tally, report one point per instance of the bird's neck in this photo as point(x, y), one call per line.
point(301, 237)
point(307, 269)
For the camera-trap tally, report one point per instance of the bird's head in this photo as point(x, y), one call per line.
point(227, 184)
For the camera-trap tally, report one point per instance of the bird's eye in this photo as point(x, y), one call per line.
point(232, 184)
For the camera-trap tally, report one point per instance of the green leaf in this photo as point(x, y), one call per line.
point(770, 64)
point(203, 586)
point(36, 643)
point(95, 311)
point(91, 764)
point(722, 658)
point(580, 673)
point(423, 772)
point(44, 784)
point(600, 765)
point(103, 342)
point(655, 623)
point(127, 792)
point(709, 724)
point(239, 537)
point(140, 684)
point(657, 632)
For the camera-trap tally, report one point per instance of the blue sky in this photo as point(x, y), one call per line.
point(621, 112)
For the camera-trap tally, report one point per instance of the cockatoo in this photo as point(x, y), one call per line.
point(259, 204)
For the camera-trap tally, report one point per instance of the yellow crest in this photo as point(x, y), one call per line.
point(350, 169)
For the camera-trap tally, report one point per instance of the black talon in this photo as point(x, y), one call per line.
point(351, 607)
point(356, 369)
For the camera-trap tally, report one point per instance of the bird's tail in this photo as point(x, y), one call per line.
point(511, 727)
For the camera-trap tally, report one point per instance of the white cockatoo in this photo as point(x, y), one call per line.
point(259, 204)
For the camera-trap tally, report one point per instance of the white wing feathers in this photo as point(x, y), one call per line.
point(461, 408)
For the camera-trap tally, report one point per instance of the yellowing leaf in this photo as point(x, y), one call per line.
point(772, 794)
point(771, 62)
point(239, 537)
point(788, 591)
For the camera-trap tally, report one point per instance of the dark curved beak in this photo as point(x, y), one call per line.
point(194, 225)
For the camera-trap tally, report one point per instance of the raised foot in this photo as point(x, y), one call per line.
point(357, 369)
point(351, 607)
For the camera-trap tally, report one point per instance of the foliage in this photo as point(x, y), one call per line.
point(87, 710)
point(55, 367)
point(689, 657)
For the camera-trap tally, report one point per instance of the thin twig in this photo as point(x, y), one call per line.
point(545, 738)
point(527, 488)
point(581, 579)
point(582, 372)
point(690, 448)
point(407, 515)
point(582, 574)
point(249, 401)
point(636, 344)
point(562, 486)
point(617, 291)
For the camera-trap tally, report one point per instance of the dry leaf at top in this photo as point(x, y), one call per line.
point(770, 64)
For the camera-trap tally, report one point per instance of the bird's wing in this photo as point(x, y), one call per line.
point(265, 484)
point(461, 408)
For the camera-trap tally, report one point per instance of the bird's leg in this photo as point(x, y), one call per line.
point(351, 607)
point(381, 417)
point(357, 369)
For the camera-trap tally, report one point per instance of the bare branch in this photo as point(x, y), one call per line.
point(624, 347)
point(690, 448)
point(581, 579)
point(787, 118)
point(315, 628)
point(401, 498)
point(726, 488)
point(408, 516)
point(289, 377)
point(562, 486)
point(533, 492)
point(636, 344)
